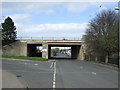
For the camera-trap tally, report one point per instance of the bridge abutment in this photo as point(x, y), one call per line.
point(17, 48)
point(45, 50)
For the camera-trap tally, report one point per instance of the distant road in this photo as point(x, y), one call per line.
point(60, 55)
point(63, 74)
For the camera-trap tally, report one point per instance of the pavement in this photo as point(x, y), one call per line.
point(61, 74)
point(10, 80)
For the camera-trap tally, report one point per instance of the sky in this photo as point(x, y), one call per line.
point(53, 19)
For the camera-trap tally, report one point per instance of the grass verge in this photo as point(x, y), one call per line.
point(26, 58)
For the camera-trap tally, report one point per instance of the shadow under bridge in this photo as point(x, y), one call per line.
point(63, 51)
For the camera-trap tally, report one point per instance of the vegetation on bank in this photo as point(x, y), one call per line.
point(102, 37)
point(26, 58)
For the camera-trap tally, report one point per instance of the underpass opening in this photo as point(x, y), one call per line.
point(63, 51)
point(34, 50)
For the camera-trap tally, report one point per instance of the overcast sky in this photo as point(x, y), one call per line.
point(49, 19)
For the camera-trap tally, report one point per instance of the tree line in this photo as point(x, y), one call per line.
point(101, 37)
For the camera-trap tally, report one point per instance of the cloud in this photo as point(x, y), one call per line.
point(78, 7)
point(50, 7)
point(48, 12)
point(103, 8)
point(38, 8)
point(27, 7)
point(20, 17)
point(47, 8)
point(52, 30)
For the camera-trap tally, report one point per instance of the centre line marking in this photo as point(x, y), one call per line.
point(54, 75)
point(53, 83)
point(53, 86)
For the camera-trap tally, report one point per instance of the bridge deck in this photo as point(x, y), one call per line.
point(67, 42)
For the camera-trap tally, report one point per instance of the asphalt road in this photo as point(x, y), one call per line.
point(63, 74)
point(60, 55)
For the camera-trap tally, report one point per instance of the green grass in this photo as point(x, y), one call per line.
point(26, 58)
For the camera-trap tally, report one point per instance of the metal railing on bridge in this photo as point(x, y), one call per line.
point(49, 38)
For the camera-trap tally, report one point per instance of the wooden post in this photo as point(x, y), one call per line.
point(106, 59)
point(96, 59)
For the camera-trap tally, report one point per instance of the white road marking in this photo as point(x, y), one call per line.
point(53, 83)
point(35, 64)
point(54, 65)
point(54, 75)
point(51, 65)
point(53, 79)
point(53, 86)
point(94, 73)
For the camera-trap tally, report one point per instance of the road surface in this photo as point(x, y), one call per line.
point(60, 55)
point(63, 74)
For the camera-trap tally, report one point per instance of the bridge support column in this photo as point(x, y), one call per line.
point(45, 50)
point(82, 53)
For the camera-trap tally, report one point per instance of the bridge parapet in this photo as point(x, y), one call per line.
point(52, 41)
point(50, 38)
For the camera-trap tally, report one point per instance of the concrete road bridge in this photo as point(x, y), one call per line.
point(27, 47)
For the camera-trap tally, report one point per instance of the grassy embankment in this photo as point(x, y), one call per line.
point(26, 58)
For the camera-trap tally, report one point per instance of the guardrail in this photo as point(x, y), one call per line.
point(49, 38)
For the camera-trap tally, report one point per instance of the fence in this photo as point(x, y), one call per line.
point(49, 38)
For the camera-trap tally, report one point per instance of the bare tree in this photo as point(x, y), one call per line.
point(102, 34)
